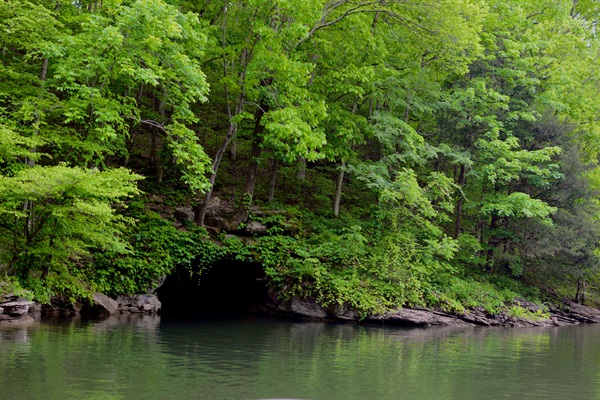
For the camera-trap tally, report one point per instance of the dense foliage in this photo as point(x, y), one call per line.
point(422, 153)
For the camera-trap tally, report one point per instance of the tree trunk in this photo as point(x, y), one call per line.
point(492, 241)
point(242, 211)
point(200, 212)
point(44, 70)
point(255, 159)
point(233, 148)
point(580, 295)
point(338, 190)
point(273, 177)
point(154, 149)
point(301, 174)
point(157, 163)
point(459, 203)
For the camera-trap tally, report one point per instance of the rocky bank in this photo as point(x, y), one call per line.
point(567, 313)
point(16, 310)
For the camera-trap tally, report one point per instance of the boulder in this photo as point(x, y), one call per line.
point(148, 308)
point(256, 210)
point(8, 297)
point(296, 307)
point(215, 231)
point(584, 313)
point(307, 308)
point(145, 303)
point(157, 199)
point(214, 202)
point(184, 213)
point(106, 304)
point(217, 223)
point(573, 313)
point(419, 317)
point(344, 313)
point(256, 228)
point(14, 308)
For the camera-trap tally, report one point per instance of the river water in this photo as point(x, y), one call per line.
point(250, 358)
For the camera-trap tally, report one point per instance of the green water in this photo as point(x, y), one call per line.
point(146, 358)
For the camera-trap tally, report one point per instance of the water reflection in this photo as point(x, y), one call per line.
point(15, 334)
point(146, 358)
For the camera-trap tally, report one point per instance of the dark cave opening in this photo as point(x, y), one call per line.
point(226, 288)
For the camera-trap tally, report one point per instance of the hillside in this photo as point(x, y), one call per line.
point(366, 154)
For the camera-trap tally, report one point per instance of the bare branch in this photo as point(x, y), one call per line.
point(151, 122)
point(330, 8)
point(360, 8)
point(537, 13)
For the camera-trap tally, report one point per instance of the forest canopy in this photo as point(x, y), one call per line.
point(399, 152)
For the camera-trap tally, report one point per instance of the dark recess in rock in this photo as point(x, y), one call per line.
point(227, 288)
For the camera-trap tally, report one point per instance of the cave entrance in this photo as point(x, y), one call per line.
point(226, 288)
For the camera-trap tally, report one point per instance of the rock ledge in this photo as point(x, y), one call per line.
point(567, 313)
point(14, 310)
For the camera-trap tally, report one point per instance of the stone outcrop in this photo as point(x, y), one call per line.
point(135, 304)
point(18, 307)
point(566, 314)
point(138, 303)
point(184, 213)
point(221, 217)
point(308, 308)
point(104, 304)
point(14, 310)
point(256, 228)
point(573, 313)
point(18, 310)
point(419, 317)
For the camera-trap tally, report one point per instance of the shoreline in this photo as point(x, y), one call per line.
point(20, 311)
point(567, 313)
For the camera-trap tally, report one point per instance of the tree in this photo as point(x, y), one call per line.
point(70, 215)
point(82, 75)
point(490, 110)
point(125, 56)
